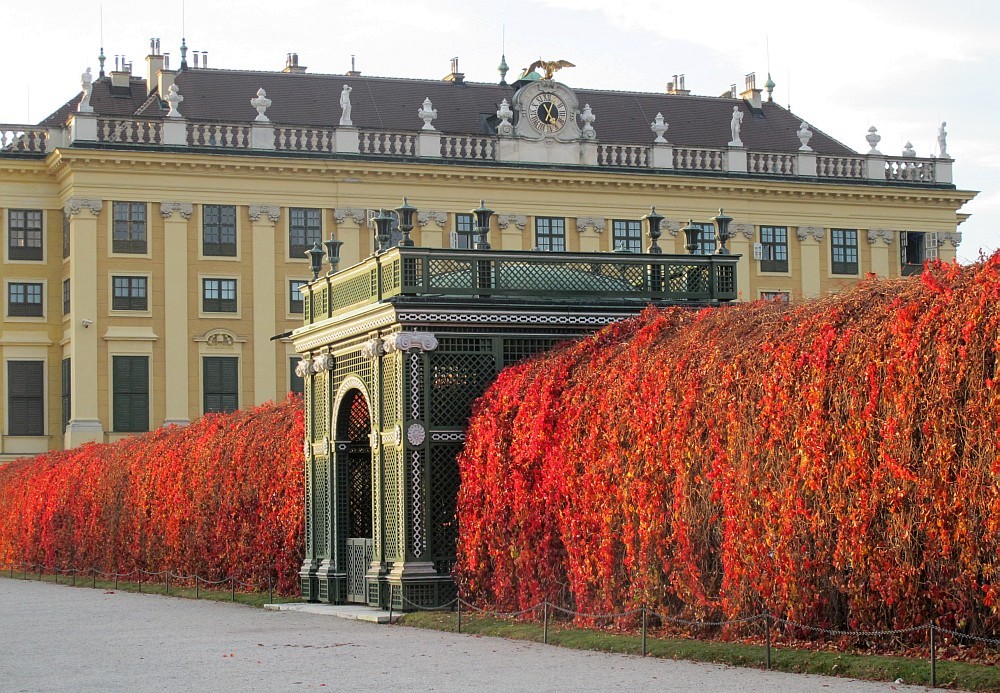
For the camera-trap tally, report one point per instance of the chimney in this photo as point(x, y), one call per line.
point(353, 72)
point(677, 86)
point(292, 64)
point(455, 76)
point(154, 63)
point(195, 53)
point(750, 92)
point(164, 79)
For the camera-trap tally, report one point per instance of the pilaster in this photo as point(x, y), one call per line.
point(431, 225)
point(262, 221)
point(175, 132)
point(353, 230)
point(810, 270)
point(175, 285)
point(663, 156)
point(512, 227)
point(590, 241)
point(736, 159)
point(740, 243)
point(346, 140)
point(84, 424)
point(881, 240)
point(262, 136)
point(429, 143)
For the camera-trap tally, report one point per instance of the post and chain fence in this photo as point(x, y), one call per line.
point(768, 619)
point(547, 609)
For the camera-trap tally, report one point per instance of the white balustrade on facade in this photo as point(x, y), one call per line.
point(387, 143)
point(129, 131)
point(910, 169)
point(23, 138)
point(470, 147)
point(691, 159)
point(772, 163)
point(303, 139)
point(625, 155)
point(223, 135)
point(839, 167)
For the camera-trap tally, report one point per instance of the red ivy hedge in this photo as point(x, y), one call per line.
point(221, 497)
point(834, 462)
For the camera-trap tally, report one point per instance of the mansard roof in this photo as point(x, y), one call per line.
point(388, 103)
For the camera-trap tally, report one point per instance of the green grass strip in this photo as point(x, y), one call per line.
point(962, 675)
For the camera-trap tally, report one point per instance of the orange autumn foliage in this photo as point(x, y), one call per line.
point(835, 462)
point(221, 497)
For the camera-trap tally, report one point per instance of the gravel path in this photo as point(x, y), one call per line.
point(57, 638)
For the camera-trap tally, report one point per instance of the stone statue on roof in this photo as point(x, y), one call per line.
point(734, 126)
point(345, 106)
point(942, 141)
point(87, 82)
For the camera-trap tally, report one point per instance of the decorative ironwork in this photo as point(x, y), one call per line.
point(359, 556)
point(416, 503)
point(443, 491)
point(455, 381)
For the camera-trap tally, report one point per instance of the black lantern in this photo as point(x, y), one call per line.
point(315, 255)
point(721, 221)
point(654, 220)
point(483, 214)
point(383, 230)
point(692, 234)
point(333, 253)
point(406, 212)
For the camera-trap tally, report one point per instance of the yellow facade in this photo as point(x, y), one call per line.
point(176, 334)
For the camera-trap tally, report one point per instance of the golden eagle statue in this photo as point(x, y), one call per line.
point(550, 67)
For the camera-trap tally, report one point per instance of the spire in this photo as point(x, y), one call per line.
point(502, 69)
point(184, 51)
point(101, 58)
point(769, 86)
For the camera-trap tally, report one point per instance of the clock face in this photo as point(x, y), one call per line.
point(547, 113)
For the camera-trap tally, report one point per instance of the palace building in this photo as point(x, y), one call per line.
point(156, 227)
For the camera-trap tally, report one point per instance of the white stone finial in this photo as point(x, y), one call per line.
point(345, 106)
point(588, 118)
point(908, 150)
point(504, 113)
point(173, 98)
point(873, 139)
point(734, 127)
point(943, 142)
point(87, 82)
point(261, 103)
point(659, 127)
point(427, 114)
point(804, 134)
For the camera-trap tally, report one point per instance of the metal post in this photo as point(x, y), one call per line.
point(390, 604)
point(75, 571)
point(643, 630)
point(270, 589)
point(545, 622)
point(116, 580)
point(459, 614)
point(140, 580)
point(94, 571)
point(166, 582)
point(933, 657)
point(197, 585)
point(233, 581)
point(767, 641)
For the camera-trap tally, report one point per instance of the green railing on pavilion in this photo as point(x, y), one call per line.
point(605, 277)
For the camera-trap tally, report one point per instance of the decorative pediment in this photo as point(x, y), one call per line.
point(360, 216)
point(273, 212)
point(815, 232)
point(185, 209)
point(505, 220)
point(593, 222)
point(75, 204)
point(885, 234)
point(425, 217)
point(220, 339)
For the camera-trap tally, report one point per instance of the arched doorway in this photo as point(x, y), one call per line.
point(355, 490)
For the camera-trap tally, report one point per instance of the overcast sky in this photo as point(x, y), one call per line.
point(842, 66)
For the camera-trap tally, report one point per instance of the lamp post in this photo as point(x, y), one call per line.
point(483, 214)
point(691, 235)
point(315, 255)
point(333, 253)
point(406, 212)
point(721, 221)
point(383, 230)
point(654, 220)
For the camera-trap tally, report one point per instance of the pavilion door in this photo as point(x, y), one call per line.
point(360, 548)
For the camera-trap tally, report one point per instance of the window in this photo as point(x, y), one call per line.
point(706, 239)
point(219, 231)
point(66, 390)
point(221, 383)
point(461, 238)
point(129, 227)
point(626, 235)
point(305, 228)
point(65, 237)
point(218, 295)
point(25, 398)
point(775, 296)
point(295, 296)
point(550, 233)
point(844, 251)
point(24, 234)
point(130, 403)
point(914, 248)
point(24, 300)
point(296, 383)
point(774, 247)
point(66, 304)
point(129, 293)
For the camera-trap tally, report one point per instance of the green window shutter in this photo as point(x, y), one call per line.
point(221, 383)
point(66, 393)
point(130, 388)
point(25, 398)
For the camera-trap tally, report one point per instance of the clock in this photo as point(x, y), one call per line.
point(547, 113)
